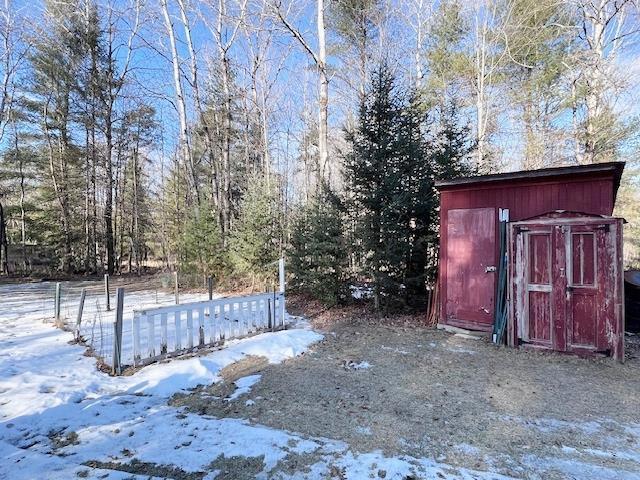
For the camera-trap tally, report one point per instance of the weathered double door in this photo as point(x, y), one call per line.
point(565, 284)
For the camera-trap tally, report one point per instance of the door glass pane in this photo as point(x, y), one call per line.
point(583, 258)
point(539, 258)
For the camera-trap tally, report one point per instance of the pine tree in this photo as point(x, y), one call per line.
point(201, 246)
point(254, 246)
point(317, 256)
point(390, 177)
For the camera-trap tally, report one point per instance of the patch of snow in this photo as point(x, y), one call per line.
point(243, 386)
point(249, 403)
point(574, 468)
point(371, 465)
point(552, 424)
point(351, 365)
point(468, 449)
point(360, 292)
point(363, 430)
point(461, 350)
point(396, 350)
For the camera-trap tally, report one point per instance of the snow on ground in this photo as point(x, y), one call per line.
point(58, 411)
point(243, 386)
point(61, 418)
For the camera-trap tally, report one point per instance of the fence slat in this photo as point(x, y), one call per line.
point(56, 304)
point(214, 318)
point(189, 328)
point(201, 320)
point(244, 315)
point(83, 294)
point(164, 334)
point(151, 327)
point(137, 318)
point(177, 316)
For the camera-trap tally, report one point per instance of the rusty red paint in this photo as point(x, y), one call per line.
point(580, 309)
point(557, 260)
point(470, 250)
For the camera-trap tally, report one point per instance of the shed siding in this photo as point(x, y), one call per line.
point(587, 196)
point(592, 194)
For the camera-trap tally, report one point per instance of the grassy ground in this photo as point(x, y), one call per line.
point(409, 390)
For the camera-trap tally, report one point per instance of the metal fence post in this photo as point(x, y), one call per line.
point(210, 287)
point(117, 332)
point(175, 281)
point(80, 309)
point(106, 291)
point(56, 303)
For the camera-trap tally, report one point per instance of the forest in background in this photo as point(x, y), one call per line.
point(214, 136)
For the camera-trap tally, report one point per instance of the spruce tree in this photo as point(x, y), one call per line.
point(398, 150)
point(380, 170)
point(255, 241)
point(317, 256)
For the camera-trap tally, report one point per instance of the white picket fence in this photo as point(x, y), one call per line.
point(161, 332)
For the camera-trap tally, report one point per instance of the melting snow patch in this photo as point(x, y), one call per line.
point(363, 430)
point(468, 449)
point(351, 365)
point(461, 350)
point(243, 386)
point(396, 350)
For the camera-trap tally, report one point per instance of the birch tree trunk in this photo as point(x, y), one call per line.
point(320, 59)
point(184, 139)
point(323, 96)
point(202, 114)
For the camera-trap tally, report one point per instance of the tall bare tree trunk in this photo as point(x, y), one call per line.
point(202, 114)
point(185, 145)
point(23, 224)
point(323, 96)
point(4, 260)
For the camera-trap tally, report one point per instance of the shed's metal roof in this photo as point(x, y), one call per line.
point(613, 167)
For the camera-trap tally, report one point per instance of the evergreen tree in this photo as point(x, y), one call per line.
point(317, 256)
point(387, 172)
point(396, 156)
point(451, 144)
point(201, 246)
point(255, 241)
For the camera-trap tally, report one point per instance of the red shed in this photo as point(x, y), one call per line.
point(563, 275)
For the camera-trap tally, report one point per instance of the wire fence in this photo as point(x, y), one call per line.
point(92, 318)
point(90, 310)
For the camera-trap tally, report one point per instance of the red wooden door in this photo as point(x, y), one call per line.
point(537, 269)
point(586, 281)
point(564, 280)
point(470, 280)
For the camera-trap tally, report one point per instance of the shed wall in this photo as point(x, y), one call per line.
point(590, 194)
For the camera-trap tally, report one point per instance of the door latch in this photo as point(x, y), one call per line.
point(490, 268)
